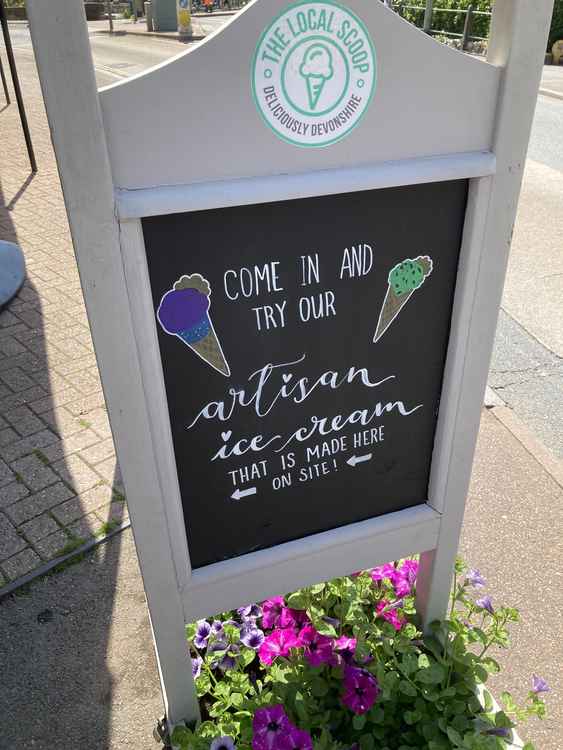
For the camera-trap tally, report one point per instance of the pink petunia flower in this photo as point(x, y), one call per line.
point(278, 643)
point(360, 690)
point(318, 648)
point(269, 725)
point(271, 611)
point(381, 572)
point(389, 612)
point(294, 618)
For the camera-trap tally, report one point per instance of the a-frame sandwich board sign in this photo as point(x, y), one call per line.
point(292, 273)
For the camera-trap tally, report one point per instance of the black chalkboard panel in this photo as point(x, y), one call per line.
point(303, 346)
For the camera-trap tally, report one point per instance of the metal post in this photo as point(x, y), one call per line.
point(184, 18)
point(16, 82)
point(427, 24)
point(4, 82)
point(467, 28)
point(110, 18)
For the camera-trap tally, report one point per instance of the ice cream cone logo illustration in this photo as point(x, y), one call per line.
point(184, 312)
point(404, 279)
point(316, 69)
point(314, 73)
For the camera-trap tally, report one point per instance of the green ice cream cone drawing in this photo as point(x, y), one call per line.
point(184, 312)
point(404, 279)
point(316, 69)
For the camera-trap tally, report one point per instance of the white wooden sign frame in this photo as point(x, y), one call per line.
point(473, 122)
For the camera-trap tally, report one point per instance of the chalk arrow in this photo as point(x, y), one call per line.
point(237, 494)
point(355, 460)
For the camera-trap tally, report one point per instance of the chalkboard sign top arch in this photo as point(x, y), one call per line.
point(219, 93)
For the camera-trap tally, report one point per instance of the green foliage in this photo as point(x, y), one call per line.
point(428, 684)
point(448, 22)
point(556, 31)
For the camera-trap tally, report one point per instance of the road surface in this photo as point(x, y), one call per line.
point(527, 366)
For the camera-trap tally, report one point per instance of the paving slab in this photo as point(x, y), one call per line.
point(513, 534)
point(534, 283)
point(529, 378)
point(78, 668)
point(57, 460)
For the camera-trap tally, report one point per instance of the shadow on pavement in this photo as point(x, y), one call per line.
point(69, 659)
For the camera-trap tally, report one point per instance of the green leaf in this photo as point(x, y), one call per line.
point(319, 687)
point(488, 701)
point(454, 736)
point(359, 722)
point(502, 720)
point(433, 675)
point(325, 628)
point(247, 656)
point(481, 673)
point(411, 717)
point(191, 628)
point(367, 742)
point(297, 600)
point(423, 661)
point(376, 715)
point(407, 688)
point(318, 588)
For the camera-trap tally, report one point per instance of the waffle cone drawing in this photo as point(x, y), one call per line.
point(209, 349)
point(184, 312)
point(315, 86)
point(404, 279)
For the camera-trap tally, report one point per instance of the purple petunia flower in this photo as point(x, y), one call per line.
point(360, 690)
point(196, 666)
point(498, 732)
point(474, 578)
point(318, 648)
point(295, 739)
point(223, 743)
point(272, 609)
point(250, 612)
point(252, 638)
point(485, 603)
point(217, 629)
point(345, 648)
point(202, 634)
point(229, 659)
point(268, 726)
point(539, 685)
point(278, 643)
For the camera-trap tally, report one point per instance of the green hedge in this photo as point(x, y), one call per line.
point(556, 31)
point(453, 22)
point(449, 22)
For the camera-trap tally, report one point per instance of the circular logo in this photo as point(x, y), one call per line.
point(314, 73)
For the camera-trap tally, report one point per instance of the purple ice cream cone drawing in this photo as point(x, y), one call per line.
point(184, 312)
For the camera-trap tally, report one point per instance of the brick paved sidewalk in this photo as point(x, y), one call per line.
point(58, 481)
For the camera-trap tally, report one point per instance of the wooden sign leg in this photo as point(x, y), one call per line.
point(62, 52)
point(517, 44)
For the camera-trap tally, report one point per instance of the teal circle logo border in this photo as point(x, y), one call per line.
point(373, 88)
point(307, 40)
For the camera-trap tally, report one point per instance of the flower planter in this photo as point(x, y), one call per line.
point(342, 664)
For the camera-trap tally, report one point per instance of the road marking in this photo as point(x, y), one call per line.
point(238, 494)
point(355, 460)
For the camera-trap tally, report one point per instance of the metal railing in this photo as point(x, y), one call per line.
point(427, 19)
